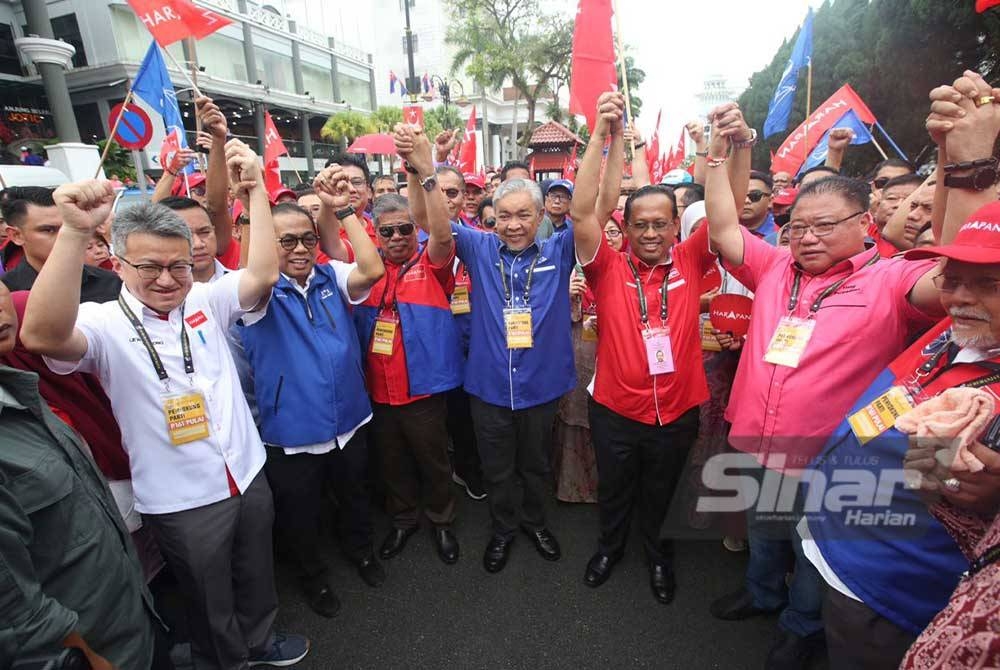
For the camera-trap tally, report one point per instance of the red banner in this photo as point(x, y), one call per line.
point(730, 313)
point(173, 20)
point(467, 154)
point(593, 64)
point(273, 147)
point(797, 146)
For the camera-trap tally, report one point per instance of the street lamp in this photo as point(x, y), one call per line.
point(444, 87)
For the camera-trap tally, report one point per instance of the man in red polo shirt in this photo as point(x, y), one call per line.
point(649, 379)
point(412, 354)
point(828, 316)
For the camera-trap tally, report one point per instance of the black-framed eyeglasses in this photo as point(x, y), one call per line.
point(452, 193)
point(198, 191)
point(358, 182)
point(756, 196)
point(556, 195)
point(880, 182)
point(148, 271)
point(612, 232)
point(290, 242)
point(797, 229)
point(489, 223)
point(980, 286)
point(404, 230)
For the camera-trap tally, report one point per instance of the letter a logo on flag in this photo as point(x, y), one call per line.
point(173, 20)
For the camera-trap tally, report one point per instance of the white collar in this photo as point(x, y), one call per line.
point(7, 399)
point(974, 355)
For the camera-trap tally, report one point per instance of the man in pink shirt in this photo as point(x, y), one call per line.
point(828, 316)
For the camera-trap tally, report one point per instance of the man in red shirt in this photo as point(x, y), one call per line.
point(361, 192)
point(649, 379)
point(411, 351)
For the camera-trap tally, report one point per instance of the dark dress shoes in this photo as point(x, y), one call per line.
point(370, 571)
point(662, 583)
point(545, 542)
point(322, 600)
point(737, 606)
point(447, 545)
point(497, 551)
point(395, 542)
point(598, 569)
point(792, 652)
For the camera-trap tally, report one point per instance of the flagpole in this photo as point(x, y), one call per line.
point(809, 93)
point(111, 135)
point(621, 63)
point(184, 73)
point(875, 142)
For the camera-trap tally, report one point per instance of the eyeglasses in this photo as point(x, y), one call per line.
point(150, 271)
point(559, 196)
point(198, 191)
point(290, 242)
point(452, 193)
point(980, 286)
point(358, 182)
point(388, 231)
point(612, 233)
point(797, 229)
point(880, 182)
point(489, 223)
point(657, 226)
point(755, 196)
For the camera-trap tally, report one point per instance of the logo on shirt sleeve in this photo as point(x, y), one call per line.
point(196, 319)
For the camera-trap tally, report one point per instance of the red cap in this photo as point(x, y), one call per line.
point(281, 192)
point(474, 180)
point(977, 241)
point(193, 179)
point(785, 196)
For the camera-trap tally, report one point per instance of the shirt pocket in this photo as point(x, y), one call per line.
point(49, 496)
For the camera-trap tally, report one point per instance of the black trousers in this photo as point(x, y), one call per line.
point(463, 435)
point(858, 638)
point(298, 481)
point(638, 464)
point(413, 445)
point(515, 449)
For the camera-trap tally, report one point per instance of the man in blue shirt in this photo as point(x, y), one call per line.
point(520, 360)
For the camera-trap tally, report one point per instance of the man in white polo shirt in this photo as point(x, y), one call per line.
point(161, 354)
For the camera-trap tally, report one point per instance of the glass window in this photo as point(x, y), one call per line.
point(9, 63)
point(275, 70)
point(354, 91)
point(132, 38)
point(317, 81)
point(66, 28)
point(223, 57)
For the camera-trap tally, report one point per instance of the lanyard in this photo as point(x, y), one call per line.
point(929, 366)
point(140, 330)
point(395, 287)
point(527, 284)
point(988, 557)
point(793, 299)
point(643, 311)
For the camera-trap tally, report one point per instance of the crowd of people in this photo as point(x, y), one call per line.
point(185, 379)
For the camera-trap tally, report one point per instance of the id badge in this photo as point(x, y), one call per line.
point(708, 339)
point(589, 331)
point(186, 415)
point(517, 323)
point(384, 336)
point(789, 341)
point(880, 414)
point(658, 354)
point(460, 300)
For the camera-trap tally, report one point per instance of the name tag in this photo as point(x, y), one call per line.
point(880, 414)
point(789, 341)
point(460, 300)
point(589, 332)
point(384, 336)
point(658, 354)
point(186, 415)
point(517, 322)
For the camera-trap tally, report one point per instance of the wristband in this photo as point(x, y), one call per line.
point(639, 145)
point(716, 162)
point(703, 154)
point(171, 173)
point(409, 168)
point(344, 213)
point(970, 165)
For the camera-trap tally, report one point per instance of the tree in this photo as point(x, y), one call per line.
point(635, 78)
point(386, 117)
point(441, 118)
point(893, 52)
point(118, 161)
point(344, 127)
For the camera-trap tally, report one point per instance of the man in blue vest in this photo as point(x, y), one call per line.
point(311, 392)
point(412, 354)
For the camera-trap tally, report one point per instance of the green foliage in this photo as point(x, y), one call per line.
point(119, 160)
point(892, 52)
point(346, 126)
point(439, 118)
point(386, 118)
point(635, 78)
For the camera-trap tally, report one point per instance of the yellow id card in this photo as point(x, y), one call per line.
point(187, 417)
point(384, 336)
point(789, 341)
point(517, 323)
point(708, 339)
point(460, 300)
point(880, 414)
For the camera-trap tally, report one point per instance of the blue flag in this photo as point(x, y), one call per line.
point(153, 85)
point(848, 120)
point(784, 95)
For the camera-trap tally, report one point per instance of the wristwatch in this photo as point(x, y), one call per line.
point(430, 183)
point(748, 143)
point(344, 213)
point(409, 168)
point(984, 175)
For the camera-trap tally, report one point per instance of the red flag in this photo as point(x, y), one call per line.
point(273, 147)
point(792, 153)
point(171, 145)
point(677, 153)
point(983, 5)
point(653, 150)
point(467, 154)
point(173, 20)
point(593, 62)
point(569, 172)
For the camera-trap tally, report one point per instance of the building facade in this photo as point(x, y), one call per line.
point(262, 62)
